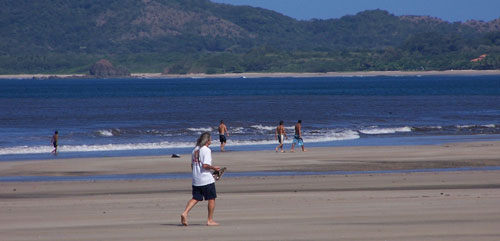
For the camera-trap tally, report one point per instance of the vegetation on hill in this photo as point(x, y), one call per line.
point(198, 36)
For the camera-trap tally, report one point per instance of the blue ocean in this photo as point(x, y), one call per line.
point(127, 117)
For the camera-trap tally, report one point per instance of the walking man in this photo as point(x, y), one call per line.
point(54, 141)
point(203, 182)
point(222, 135)
point(280, 135)
point(297, 138)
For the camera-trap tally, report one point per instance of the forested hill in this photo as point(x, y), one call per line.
point(183, 36)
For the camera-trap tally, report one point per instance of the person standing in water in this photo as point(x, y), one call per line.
point(280, 135)
point(297, 138)
point(203, 183)
point(222, 135)
point(54, 140)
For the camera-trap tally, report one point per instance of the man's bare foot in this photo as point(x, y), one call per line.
point(304, 150)
point(212, 223)
point(292, 150)
point(282, 151)
point(184, 220)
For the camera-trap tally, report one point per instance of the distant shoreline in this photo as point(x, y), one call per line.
point(269, 75)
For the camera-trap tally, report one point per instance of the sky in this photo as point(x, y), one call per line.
point(449, 10)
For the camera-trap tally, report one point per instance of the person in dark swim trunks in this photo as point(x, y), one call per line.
point(222, 135)
point(203, 182)
point(222, 138)
point(280, 135)
point(54, 141)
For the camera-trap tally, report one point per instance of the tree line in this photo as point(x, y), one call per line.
point(198, 36)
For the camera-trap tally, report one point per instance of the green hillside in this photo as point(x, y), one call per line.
point(198, 36)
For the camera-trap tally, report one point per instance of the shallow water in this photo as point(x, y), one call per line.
point(113, 117)
point(228, 175)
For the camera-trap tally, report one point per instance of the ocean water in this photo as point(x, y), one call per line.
point(121, 117)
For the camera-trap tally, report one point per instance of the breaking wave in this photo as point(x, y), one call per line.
point(91, 148)
point(200, 130)
point(243, 136)
point(105, 132)
point(330, 136)
point(378, 131)
point(263, 128)
point(476, 126)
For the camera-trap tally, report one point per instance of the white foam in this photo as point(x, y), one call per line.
point(202, 129)
point(105, 133)
point(325, 137)
point(270, 128)
point(237, 130)
point(334, 136)
point(264, 128)
point(90, 148)
point(25, 150)
point(473, 126)
point(330, 136)
point(378, 131)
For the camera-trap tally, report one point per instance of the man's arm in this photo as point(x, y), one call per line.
point(210, 167)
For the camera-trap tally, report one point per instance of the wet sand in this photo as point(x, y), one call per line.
point(403, 206)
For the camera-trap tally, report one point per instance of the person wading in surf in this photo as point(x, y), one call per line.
point(280, 135)
point(222, 135)
point(54, 140)
point(297, 138)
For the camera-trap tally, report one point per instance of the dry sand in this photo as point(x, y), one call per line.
point(404, 206)
point(274, 75)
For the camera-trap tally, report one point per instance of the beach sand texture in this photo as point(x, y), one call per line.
point(460, 205)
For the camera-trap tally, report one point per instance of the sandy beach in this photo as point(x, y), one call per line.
point(272, 75)
point(460, 205)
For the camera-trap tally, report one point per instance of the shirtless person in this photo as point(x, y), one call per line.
point(54, 140)
point(222, 135)
point(297, 138)
point(280, 135)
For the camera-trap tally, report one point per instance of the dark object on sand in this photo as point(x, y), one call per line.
point(176, 155)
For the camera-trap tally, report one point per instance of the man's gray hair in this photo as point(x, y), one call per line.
point(203, 139)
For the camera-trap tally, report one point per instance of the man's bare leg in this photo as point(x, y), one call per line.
point(189, 206)
point(211, 209)
point(293, 147)
point(279, 147)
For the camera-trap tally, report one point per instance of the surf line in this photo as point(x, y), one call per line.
point(154, 176)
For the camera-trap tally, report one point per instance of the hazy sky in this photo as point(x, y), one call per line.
point(449, 10)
